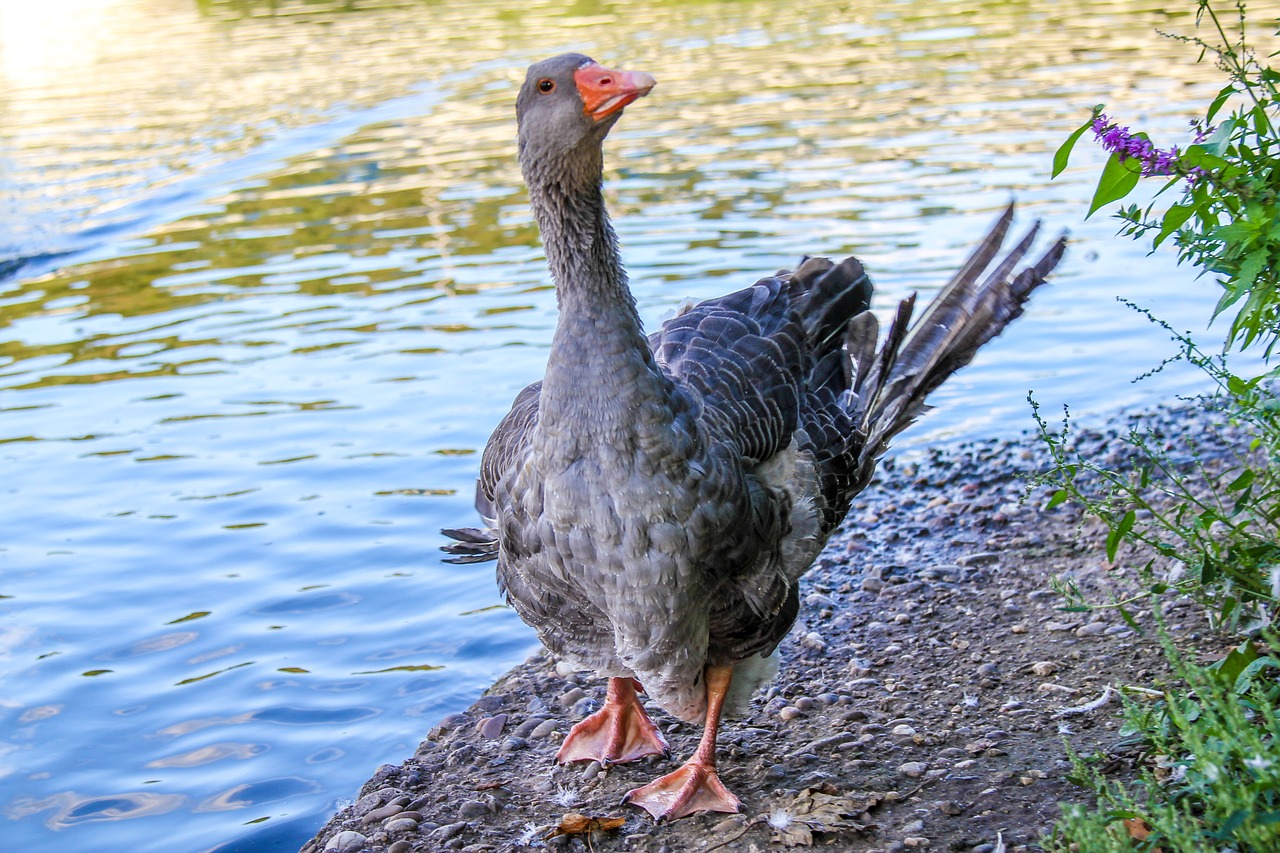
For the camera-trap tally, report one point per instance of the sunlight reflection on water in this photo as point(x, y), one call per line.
point(282, 283)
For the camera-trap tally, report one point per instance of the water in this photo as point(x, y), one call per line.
point(277, 281)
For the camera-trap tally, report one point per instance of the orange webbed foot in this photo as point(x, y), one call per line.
point(621, 731)
point(693, 788)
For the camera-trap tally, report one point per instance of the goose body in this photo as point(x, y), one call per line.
point(653, 501)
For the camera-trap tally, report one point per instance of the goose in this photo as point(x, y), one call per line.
point(654, 500)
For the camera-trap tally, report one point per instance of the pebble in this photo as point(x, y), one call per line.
point(454, 720)
point(1018, 629)
point(401, 824)
point(980, 558)
point(915, 841)
point(1092, 629)
point(544, 728)
point(913, 827)
point(814, 642)
point(1044, 667)
point(571, 696)
point(490, 702)
point(805, 703)
point(472, 809)
point(913, 769)
point(401, 846)
point(591, 771)
point(904, 731)
point(528, 727)
point(448, 831)
point(988, 669)
point(383, 813)
point(347, 841)
point(491, 727)
point(1059, 626)
point(790, 712)
point(586, 705)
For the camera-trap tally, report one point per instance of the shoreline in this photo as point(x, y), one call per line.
point(924, 701)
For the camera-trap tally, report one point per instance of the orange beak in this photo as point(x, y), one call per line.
point(605, 91)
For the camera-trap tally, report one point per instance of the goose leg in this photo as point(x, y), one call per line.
point(620, 731)
point(695, 787)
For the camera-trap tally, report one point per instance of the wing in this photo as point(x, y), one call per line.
point(505, 446)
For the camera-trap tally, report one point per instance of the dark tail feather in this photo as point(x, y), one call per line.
point(834, 294)
point(473, 545)
point(890, 394)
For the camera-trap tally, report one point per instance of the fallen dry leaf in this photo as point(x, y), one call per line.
point(817, 810)
point(580, 824)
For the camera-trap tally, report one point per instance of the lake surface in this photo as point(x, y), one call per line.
point(273, 281)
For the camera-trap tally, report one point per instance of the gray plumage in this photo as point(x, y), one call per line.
point(653, 501)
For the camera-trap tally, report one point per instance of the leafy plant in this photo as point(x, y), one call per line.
point(1210, 526)
point(1211, 766)
point(1227, 219)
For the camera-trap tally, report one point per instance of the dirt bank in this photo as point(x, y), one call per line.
point(925, 699)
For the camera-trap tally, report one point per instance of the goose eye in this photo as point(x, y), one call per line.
point(545, 86)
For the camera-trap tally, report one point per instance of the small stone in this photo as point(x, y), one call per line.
point(454, 720)
point(448, 831)
point(981, 558)
point(988, 670)
point(490, 703)
point(814, 642)
point(913, 769)
point(1018, 629)
point(585, 706)
point(568, 698)
point(491, 727)
point(913, 827)
point(544, 728)
point(591, 771)
point(901, 619)
point(915, 841)
point(527, 728)
point(1091, 629)
point(872, 585)
point(904, 731)
point(389, 810)
point(1060, 689)
point(951, 808)
point(400, 824)
point(1044, 667)
point(472, 809)
point(401, 846)
point(790, 712)
point(564, 669)
point(347, 841)
point(776, 771)
point(1059, 626)
point(859, 667)
point(805, 703)
point(726, 826)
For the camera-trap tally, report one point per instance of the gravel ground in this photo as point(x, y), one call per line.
point(925, 700)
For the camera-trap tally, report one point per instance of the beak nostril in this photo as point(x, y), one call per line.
point(606, 81)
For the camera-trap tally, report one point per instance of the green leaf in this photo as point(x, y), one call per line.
point(1174, 218)
point(1058, 497)
point(1118, 179)
point(1064, 151)
point(1217, 102)
point(1117, 534)
point(1245, 478)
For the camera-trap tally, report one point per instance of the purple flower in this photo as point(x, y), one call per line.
point(1121, 141)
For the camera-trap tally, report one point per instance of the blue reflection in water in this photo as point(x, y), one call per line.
point(306, 285)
